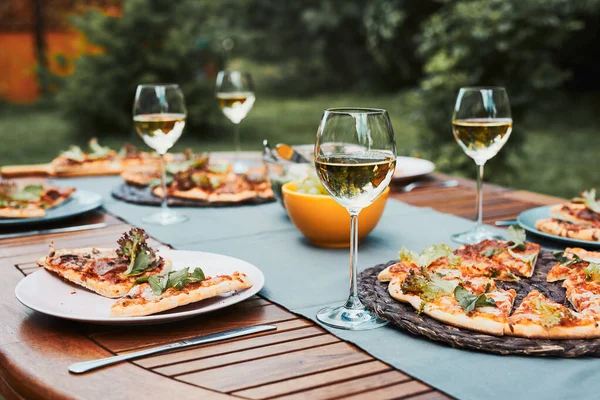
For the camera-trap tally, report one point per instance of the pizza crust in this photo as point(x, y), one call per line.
point(570, 215)
point(535, 331)
point(567, 229)
point(26, 212)
point(136, 307)
point(193, 194)
point(87, 168)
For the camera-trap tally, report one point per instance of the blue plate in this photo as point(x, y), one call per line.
point(527, 221)
point(80, 202)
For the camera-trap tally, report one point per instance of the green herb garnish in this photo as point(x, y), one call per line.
point(74, 153)
point(588, 198)
point(592, 272)
point(133, 246)
point(550, 313)
point(97, 151)
point(428, 286)
point(174, 279)
point(28, 193)
point(517, 236)
point(429, 255)
point(564, 260)
point(468, 301)
point(491, 252)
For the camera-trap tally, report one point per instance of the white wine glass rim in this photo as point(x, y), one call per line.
point(151, 85)
point(483, 88)
point(355, 110)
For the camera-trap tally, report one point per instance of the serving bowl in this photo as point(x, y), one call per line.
point(323, 221)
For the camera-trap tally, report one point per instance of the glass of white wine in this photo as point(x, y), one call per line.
point(159, 115)
point(481, 124)
point(355, 158)
point(235, 92)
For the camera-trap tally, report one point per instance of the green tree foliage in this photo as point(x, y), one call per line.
point(155, 41)
point(511, 43)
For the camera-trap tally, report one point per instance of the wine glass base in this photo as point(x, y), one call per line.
point(476, 235)
point(353, 319)
point(165, 217)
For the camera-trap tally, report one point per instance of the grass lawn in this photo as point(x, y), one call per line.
point(560, 152)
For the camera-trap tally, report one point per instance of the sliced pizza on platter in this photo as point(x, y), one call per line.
point(30, 201)
point(539, 317)
point(153, 294)
point(108, 272)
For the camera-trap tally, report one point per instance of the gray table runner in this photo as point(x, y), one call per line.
point(304, 278)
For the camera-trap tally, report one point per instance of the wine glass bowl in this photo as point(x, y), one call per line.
point(481, 124)
point(355, 159)
point(159, 115)
point(235, 94)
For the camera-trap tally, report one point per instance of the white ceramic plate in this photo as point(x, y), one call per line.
point(45, 292)
point(411, 167)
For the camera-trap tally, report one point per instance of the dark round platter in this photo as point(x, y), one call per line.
point(143, 195)
point(375, 296)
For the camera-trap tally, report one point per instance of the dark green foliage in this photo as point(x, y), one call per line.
point(155, 41)
point(511, 43)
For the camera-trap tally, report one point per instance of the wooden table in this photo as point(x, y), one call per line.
point(298, 361)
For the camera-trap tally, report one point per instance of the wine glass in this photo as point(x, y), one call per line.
point(159, 115)
point(481, 124)
point(235, 92)
point(355, 158)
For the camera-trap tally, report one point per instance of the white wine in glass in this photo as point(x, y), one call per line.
point(481, 124)
point(159, 115)
point(235, 93)
point(355, 159)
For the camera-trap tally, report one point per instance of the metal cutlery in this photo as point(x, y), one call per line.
point(288, 153)
point(509, 222)
point(55, 230)
point(410, 187)
point(81, 367)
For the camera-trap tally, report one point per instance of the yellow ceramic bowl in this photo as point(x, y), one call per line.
point(323, 221)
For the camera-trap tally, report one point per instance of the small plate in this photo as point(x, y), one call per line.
point(80, 202)
point(411, 167)
point(527, 220)
point(49, 294)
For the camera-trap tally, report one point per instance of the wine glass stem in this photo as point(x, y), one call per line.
point(353, 301)
point(163, 179)
point(236, 141)
point(480, 195)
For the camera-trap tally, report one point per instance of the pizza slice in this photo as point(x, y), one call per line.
point(100, 160)
point(134, 159)
point(567, 229)
point(583, 210)
point(153, 294)
point(539, 317)
point(500, 259)
point(438, 257)
point(473, 303)
point(571, 261)
point(108, 272)
point(30, 201)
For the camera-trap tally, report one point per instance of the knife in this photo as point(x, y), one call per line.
point(55, 230)
point(81, 367)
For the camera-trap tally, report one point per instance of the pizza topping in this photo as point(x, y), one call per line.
point(97, 151)
point(133, 247)
point(468, 301)
point(174, 279)
point(29, 193)
point(516, 235)
point(74, 153)
point(592, 272)
point(7, 189)
point(588, 198)
point(526, 258)
point(551, 314)
point(105, 265)
point(73, 261)
point(429, 255)
point(428, 286)
point(567, 258)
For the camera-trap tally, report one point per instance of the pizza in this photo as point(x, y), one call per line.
point(99, 160)
point(459, 288)
point(539, 317)
point(578, 219)
point(30, 201)
point(108, 272)
point(155, 294)
point(143, 282)
point(203, 180)
point(132, 158)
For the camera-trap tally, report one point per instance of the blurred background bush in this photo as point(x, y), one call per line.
point(69, 68)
